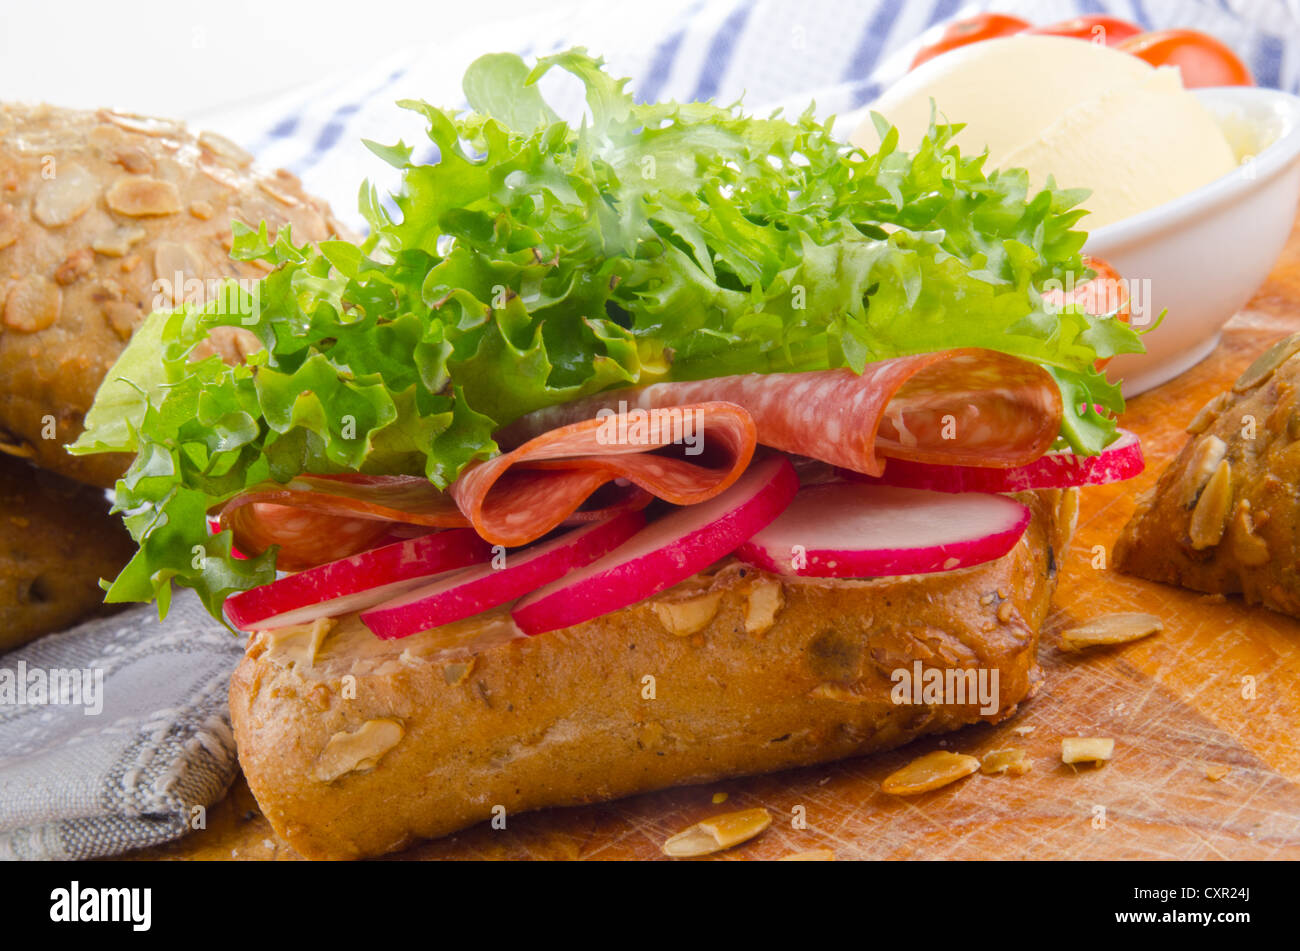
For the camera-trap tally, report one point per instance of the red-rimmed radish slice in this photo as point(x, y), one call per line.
point(356, 582)
point(1121, 460)
point(851, 530)
point(667, 551)
point(475, 590)
point(214, 528)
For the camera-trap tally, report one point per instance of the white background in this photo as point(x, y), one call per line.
point(190, 60)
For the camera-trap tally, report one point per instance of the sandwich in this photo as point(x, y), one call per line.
point(644, 450)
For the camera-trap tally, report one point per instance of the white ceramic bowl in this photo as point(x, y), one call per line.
point(1203, 255)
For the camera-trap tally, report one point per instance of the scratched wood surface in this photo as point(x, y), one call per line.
point(1173, 703)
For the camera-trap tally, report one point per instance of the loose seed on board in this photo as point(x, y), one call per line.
point(1110, 629)
point(718, 834)
point(1087, 749)
point(931, 771)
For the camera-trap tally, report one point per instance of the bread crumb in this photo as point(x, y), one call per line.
point(1010, 762)
point(1087, 749)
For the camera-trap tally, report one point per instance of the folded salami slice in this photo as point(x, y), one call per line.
point(510, 500)
point(969, 407)
point(521, 495)
point(316, 519)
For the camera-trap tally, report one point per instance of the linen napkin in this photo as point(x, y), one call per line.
point(115, 735)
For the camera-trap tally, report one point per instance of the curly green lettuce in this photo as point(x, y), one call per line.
point(534, 262)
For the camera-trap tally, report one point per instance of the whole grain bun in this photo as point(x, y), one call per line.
point(94, 207)
point(356, 746)
point(1225, 514)
point(57, 539)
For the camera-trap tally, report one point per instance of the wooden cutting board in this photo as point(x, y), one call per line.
point(1175, 704)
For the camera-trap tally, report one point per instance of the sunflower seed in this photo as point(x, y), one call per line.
point(930, 771)
point(1263, 367)
point(1208, 414)
point(139, 196)
point(717, 834)
point(1110, 629)
point(765, 601)
point(684, 618)
point(1210, 517)
point(32, 304)
point(223, 148)
point(144, 124)
point(1205, 460)
point(65, 197)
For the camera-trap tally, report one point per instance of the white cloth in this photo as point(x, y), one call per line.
point(77, 782)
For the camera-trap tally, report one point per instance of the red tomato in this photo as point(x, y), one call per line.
point(984, 26)
point(1098, 28)
point(1204, 61)
point(1104, 294)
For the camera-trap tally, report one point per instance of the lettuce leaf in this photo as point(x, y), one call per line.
point(533, 262)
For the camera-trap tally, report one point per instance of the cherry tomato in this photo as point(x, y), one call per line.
point(1097, 28)
point(1203, 60)
point(1104, 294)
point(984, 26)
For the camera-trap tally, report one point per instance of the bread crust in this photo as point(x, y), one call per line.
point(1223, 516)
point(95, 209)
point(57, 539)
point(751, 673)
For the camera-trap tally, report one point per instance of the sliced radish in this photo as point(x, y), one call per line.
point(1121, 460)
point(851, 530)
point(214, 528)
point(475, 590)
point(356, 582)
point(669, 550)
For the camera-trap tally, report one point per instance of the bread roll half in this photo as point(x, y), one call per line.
point(356, 747)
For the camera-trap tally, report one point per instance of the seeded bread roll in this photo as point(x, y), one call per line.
point(56, 541)
point(356, 746)
point(94, 207)
point(1223, 517)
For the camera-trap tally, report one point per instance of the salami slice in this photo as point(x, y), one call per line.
point(561, 477)
point(315, 518)
point(609, 500)
point(958, 407)
point(521, 495)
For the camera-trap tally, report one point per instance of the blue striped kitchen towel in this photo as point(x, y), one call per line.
point(771, 52)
